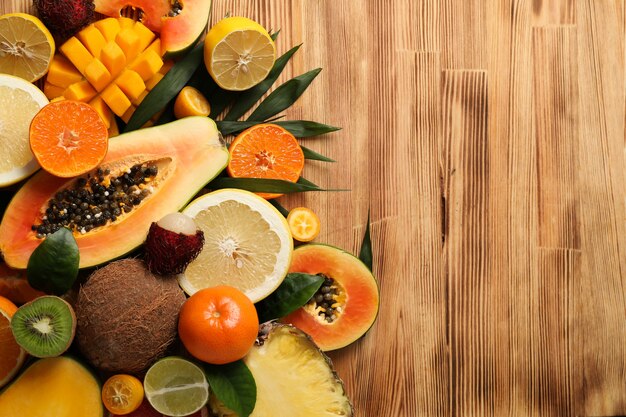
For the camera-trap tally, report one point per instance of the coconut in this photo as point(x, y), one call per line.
point(172, 243)
point(127, 316)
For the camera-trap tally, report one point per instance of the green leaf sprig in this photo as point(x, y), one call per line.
point(365, 254)
point(265, 185)
point(294, 292)
point(234, 385)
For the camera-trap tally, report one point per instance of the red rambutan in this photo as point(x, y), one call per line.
point(65, 18)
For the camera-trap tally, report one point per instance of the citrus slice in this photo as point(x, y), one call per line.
point(266, 151)
point(26, 46)
point(176, 387)
point(68, 138)
point(20, 101)
point(12, 356)
point(122, 394)
point(191, 102)
point(238, 53)
point(304, 224)
point(247, 244)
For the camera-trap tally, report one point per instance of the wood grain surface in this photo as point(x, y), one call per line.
point(487, 139)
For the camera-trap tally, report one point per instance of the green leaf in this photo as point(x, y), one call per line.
point(294, 292)
point(311, 154)
point(284, 96)
point(262, 185)
point(228, 128)
point(234, 385)
point(274, 35)
point(365, 255)
point(304, 181)
point(167, 88)
point(248, 98)
point(306, 128)
point(53, 265)
point(279, 207)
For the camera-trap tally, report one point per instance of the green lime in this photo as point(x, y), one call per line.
point(176, 387)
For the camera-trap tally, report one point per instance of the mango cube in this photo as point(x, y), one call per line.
point(113, 58)
point(152, 82)
point(62, 73)
point(80, 91)
point(128, 40)
point(131, 84)
point(115, 99)
point(126, 116)
point(147, 64)
point(146, 36)
point(76, 53)
point(136, 102)
point(52, 91)
point(103, 110)
point(109, 28)
point(97, 74)
point(92, 39)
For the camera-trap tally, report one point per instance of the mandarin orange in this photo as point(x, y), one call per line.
point(12, 356)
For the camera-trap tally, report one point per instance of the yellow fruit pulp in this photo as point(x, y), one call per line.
point(304, 224)
point(111, 64)
point(191, 102)
point(27, 47)
point(238, 53)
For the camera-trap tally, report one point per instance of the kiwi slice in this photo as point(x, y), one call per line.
point(44, 327)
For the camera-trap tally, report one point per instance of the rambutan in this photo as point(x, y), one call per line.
point(172, 243)
point(65, 18)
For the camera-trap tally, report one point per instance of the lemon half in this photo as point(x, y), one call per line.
point(20, 101)
point(247, 244)
point(238, 53)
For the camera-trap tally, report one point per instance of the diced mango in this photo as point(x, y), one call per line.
point(113, 130)
point(152, 82)
point(52, 91)
point(92, 39)
point(155, 46)
point(80, 91)
point(115, 99)
point(128, 40)
point(167, 66)
point(126, 23)
point(62, 73)
point(131, 84)
point(76, 53)
point(109, 28)
point(147, 64)
point(103, 110)
point(136, 102)
point(97, 74)
point(126, 116)
point(113, 58)
point(146, 36)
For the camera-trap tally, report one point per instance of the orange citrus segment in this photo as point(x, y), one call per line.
point(266, 151)
point(12, 356)
point(122, 394)
point(68, 138)
point(304, 224)
point(27, 47)
point(191, 102)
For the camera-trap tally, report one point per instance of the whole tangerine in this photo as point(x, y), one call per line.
point(218, 325)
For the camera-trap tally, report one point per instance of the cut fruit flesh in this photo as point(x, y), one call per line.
point(20, 101)
point(247, 244)
point(12, 355)
point(117, 60)
point(188, 154)
point(239, 53)
point(304, 224)
point(293, 378)
point(27, 46)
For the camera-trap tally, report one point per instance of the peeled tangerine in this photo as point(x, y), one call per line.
point(112, 64)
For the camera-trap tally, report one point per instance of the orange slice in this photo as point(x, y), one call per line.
point(304, 224)
point(266, 151)
point(68, 138)
point(12, 356)
point(122, 394)
point(191, 102)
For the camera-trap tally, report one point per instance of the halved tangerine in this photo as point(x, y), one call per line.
point(12, 356)
point(266, 151)
point(68, 138)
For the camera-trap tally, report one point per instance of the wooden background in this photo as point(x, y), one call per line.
point(487, 138)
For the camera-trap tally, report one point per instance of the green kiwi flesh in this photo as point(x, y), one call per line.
point(45, 327)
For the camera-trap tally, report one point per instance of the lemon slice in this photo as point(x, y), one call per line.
point(247, 244)
point(238, 53)
point(20, 101)
point(176, 387)
point(26, 46)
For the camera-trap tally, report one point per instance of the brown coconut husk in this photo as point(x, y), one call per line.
point(127, 316)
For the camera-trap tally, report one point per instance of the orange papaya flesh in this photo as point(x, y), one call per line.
point(187, 154)
point(355, 296)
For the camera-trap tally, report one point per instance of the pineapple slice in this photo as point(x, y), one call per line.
point(293, 377)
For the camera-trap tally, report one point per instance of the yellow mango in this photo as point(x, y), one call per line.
point(113, 58)
point(92, 39)
point(126, 23)
point(147, 64)
point(146, 36)
point(126, 116)
point(76, 53)
point(136, 102)
point(97, 74)
point(131, 84)
point(115, 98)
point(103, 110)
point(109, 28)
point(52, 91)
point(62, 73)
point(152, 82)
point(80, 91)
point(128, 40)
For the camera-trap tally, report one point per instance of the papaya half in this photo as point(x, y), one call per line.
point(145, 175)
point(345, 306)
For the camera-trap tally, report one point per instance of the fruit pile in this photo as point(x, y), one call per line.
point(153, 272)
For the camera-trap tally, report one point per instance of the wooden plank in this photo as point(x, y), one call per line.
point(555, 117)
point(554, 12)
point(464, 157)
point(463, 34)
point(602, 184)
